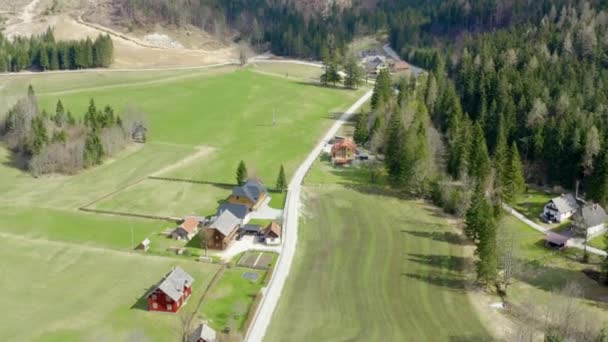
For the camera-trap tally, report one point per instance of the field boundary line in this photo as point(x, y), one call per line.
point(97, 200)
point(184, 180)
point(136, 215)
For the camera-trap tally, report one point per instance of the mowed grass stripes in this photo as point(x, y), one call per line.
point(374, 268)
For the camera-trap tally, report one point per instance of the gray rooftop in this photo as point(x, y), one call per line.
point(238, 210)
point(173, 283)
point(225, 223)
point(565, 203)
point(205, 332)
point(251, 190)
point(592, 215)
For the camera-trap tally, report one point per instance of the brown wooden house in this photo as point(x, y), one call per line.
point(222, 230)
point(343, 152)
point(251, 194)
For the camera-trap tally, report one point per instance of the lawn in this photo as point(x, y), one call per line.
point(376, 268)
point(598, 242)
point(228, 303)
point(532, 202)
point(59, 292)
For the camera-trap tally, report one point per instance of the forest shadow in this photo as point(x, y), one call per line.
point(448, 237)
point(445, 262)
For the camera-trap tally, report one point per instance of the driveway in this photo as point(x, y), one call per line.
point(265, 212)
point(247, 243)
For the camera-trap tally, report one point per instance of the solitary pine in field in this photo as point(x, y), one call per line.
point(241, 173)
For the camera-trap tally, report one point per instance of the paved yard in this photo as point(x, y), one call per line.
point(265, 212)
point(247, 243)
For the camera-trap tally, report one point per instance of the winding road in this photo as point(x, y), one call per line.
point(272, 292)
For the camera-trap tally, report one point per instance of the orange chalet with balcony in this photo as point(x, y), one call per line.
point(343, 152)
point(171, 293)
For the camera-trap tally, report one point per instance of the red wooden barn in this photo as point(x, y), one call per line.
point(172, 292)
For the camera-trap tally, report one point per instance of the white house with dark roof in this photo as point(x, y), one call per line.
point(560, 208)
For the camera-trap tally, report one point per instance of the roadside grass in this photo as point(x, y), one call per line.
point(75, 293)
point(323, 172)
point(277, 200)
point(378, 268)
point(598, 241)
point(228, 303)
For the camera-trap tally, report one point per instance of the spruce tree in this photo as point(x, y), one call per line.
point(515, 182)
point(241, 173)
point(60, 116)
point(472, 219)
point(361, 134)
point(382, 89)
point(354, 73)
point(44, 58)
point(479, 161)
point(501, 160)
point(281, 180)
point(598, 190)
point(486, 251)
point(393, 157)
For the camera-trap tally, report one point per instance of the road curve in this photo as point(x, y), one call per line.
point(272, 292)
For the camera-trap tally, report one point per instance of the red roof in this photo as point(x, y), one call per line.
point(190, 224)
point(346, 143)
point(273, 229)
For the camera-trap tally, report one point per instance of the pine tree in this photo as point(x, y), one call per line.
point(393, 157)
point(93, 150)
point(241, 173)
point(354, 73)
point(54, 59)
point(281, 180)
point(361, 134)
point(472, 221)
point(39, 137)
point(501, 159)
point(382, 89)
point(515, 182)
point(60, 116)
point(487, 262)
point(44, 58)
point(479, 161)
point(598, 190)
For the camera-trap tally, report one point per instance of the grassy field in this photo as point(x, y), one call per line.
point(231, 111)
point(377, 268)
point(59, 292)
point(228, 303)
point(532, 202)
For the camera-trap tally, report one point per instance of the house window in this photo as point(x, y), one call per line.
point(153, 297)
point(154, 305)
point(169, 307)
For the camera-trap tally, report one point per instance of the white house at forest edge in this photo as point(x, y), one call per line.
point(560, 208)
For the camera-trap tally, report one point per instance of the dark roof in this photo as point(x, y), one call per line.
point(173, 283)
point(238, 210)
point(251, 228)
point(225, 223)
point(251, 190)
point(557, 239)
point(590, 215)
point(565, 203)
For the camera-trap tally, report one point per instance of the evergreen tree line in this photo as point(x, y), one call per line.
point(58, 142)
point(353, 72)
point(43, 52)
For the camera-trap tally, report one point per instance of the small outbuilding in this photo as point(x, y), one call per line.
point(204, 333)
point(171, 293)
point(589, 220)
point(144, 245)
point(558, 241)
point(560, 208)
point(272, 234)
point(186, 230)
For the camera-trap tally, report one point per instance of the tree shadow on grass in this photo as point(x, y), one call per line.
point(447, 237)
point(470, 338)
point(446, 262)
point(142, 302)
point(17, 161)
point(455, 283)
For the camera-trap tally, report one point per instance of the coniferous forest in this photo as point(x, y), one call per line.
point(43, 52)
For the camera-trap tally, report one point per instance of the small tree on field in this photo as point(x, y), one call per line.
point(281, 181)
point(204, 240)
point(241, 173)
